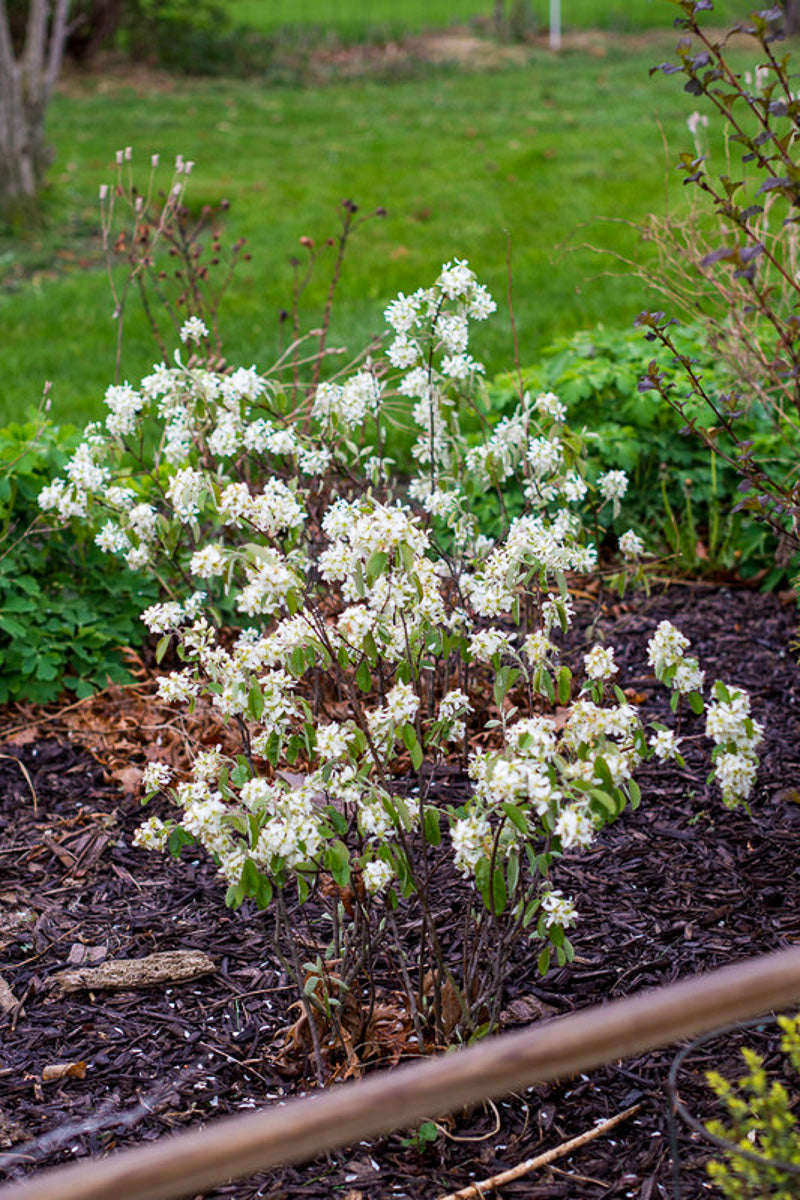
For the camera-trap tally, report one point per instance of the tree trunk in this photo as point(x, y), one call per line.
point(26, 82)
point(792, 21)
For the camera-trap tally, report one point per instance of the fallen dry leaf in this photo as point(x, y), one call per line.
point(73, 1070)
point(23, 737)
point(525, 1009)
point(7, 998)
point(129, 778)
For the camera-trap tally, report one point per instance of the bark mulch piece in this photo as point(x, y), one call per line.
point(680, 886)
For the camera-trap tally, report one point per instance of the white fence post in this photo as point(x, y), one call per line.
point(555, 24)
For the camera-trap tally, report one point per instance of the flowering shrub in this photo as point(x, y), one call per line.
point(382, 628)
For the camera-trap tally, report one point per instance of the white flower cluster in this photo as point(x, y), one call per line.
point(665, 653)
point(736, 736)
point(729, 724)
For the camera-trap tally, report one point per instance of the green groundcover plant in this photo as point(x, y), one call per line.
point(65, 610)
point(386, 633)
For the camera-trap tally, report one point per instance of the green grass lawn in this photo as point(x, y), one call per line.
point(548, 155)
point(351, 20)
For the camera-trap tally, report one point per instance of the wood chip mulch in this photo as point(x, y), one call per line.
point(681, 886)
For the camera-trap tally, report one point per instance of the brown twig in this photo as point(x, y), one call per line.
point(24, 769)
point(541, 1160)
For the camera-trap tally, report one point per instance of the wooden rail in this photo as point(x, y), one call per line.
point(187, 1163)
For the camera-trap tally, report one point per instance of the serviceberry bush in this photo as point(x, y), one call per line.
point(383, 635)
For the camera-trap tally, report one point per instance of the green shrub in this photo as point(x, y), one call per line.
point(760, 1121)
point(192, 37)
point(65, 609)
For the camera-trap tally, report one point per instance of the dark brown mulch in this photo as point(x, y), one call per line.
point(681, 886)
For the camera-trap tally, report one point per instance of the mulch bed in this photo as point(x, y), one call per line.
point(680, 886)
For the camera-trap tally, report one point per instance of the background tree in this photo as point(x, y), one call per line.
point(792, 19)
point(30, 60)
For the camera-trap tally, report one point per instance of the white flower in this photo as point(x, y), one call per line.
point(402, 313)
point(152, 834)
point(559, 909)
point(456, 279)
point(665, 648)
point(573, 488)
point(688, 677)
point(333, 740)
point(207, 562)
point(157, 776)
point(665, 744)
point(177, 688)
point(124, 404)
point(461, 366)
point(163, 618)
point(735, 774)
point(112, 539)
point(142, 519)
point(376, 875)
point(401, 705)
point(193, 330)
point(469, 836)
point(544, 456)
point(487, 642)
point(574, 828)
point(185, 490)
point(403, 352)
point(548, 404)
point(537, 648)
point(612, 485)
point(631, 545)
point(599, 662)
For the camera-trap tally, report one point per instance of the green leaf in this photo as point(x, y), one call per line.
point(696, 703)
point(161, 648)
point(543, 964)
point(601, 770)
point(499, 895)
point(516, 816)
point(255, 702)
point(338, 862)
point(408, 735)
point(564, 682)
point(364, 676)
point(431, 827)
point(635, 793)
point(604, 799)
point(376, 565)
point(406, 556)
point(512, 873)
point(531, 910)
